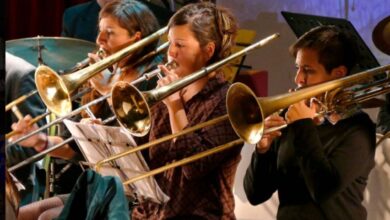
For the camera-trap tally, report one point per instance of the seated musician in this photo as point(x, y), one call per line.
point(121, 23)
point(199, 35)
point(319, 167)
point(20, 81)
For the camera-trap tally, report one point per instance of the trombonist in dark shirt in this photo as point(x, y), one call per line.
point(319, 167)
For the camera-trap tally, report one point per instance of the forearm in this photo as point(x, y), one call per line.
point(177, 116)
point(64, 152)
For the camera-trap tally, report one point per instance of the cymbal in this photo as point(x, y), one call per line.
point(59, 53)
point(381, 35)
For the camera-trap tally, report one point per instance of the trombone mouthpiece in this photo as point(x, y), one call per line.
point(101, 53)
point(171, 65)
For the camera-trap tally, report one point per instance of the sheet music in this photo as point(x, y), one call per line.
point(98, 142)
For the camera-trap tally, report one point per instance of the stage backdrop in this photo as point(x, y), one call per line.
point(29, 18)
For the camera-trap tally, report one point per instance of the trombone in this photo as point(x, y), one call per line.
point(248, 122)
point(132, 107)
point(36, 157)
point(55, 90)
point(58, 98)
point(153, 95)
point(13, 104)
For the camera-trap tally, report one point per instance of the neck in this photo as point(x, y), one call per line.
point(128, 74)
point(194, 88)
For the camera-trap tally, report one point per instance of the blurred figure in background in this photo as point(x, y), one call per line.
point(20, 81)
point(81, 21)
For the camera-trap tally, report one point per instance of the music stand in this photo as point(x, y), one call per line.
point(301, 23)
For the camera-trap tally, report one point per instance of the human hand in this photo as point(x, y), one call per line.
point(102, 81)
point(91, 121)
point(299, 111)
point(170, 76)
point(266, 140)
point(24, 127)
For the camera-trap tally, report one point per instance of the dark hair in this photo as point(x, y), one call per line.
point(133, 16)
point(209, 23)
point(334, 47)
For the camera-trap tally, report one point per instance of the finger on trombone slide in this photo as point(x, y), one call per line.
point(30, 123)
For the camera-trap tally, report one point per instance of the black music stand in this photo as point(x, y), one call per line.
point(301, 23)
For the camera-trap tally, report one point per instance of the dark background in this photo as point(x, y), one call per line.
point(29, 18)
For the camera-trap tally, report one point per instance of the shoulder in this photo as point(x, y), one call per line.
point(17, 68)
point(358, 126)
point(359, 120)
point(216, 87)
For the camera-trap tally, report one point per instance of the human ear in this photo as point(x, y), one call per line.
point(209, 50)
point(339, 71)
point(137, 36)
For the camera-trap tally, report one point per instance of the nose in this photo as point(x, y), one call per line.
point(172, 51)
point(101, 38)
point(300, 77)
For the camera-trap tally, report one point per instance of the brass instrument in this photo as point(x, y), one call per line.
point(36, 157)
point(248, 121)
point(132, 107)
point(55, 90)
point(12, 106)
point(66, 52)
point(84, 63)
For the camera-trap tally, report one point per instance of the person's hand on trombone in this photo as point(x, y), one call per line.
point(24, 127)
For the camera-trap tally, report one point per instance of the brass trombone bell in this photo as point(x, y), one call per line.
point(132, 112)
point(248, 122)
point(55, 90)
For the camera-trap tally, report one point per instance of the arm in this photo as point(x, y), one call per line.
point(20, 81)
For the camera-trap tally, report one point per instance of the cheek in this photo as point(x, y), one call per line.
point(186, 63)
point(117, 43)
point(315, 79)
